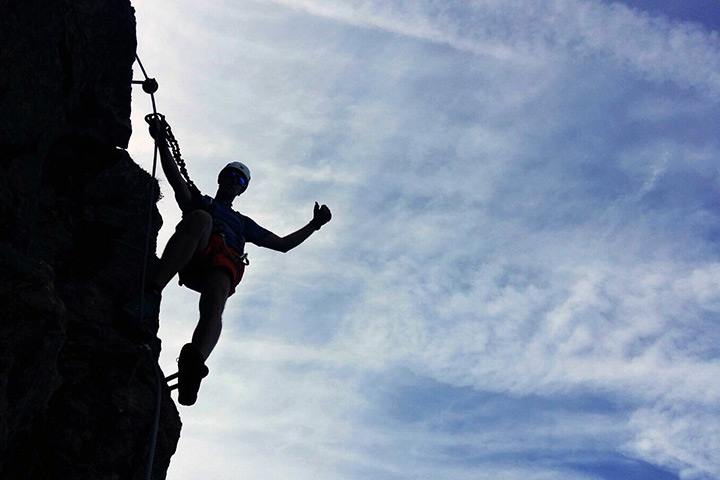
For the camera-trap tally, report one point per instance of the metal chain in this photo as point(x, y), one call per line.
point(175, 150)
point(174, 147)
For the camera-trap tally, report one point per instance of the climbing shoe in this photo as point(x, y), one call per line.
point(191, 370)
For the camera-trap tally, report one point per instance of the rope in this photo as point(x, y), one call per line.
point(156, 420)
point(150, 87)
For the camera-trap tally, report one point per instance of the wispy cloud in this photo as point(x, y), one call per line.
point(522, 31)
point(521, 276)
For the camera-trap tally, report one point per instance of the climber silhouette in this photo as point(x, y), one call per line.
point(207, 251)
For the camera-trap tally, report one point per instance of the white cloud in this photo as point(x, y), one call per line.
point(523, 222)
point(679, 436)
point(530, 31)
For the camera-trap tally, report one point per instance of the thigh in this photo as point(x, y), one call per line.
point(197, 223)
point(218, 283)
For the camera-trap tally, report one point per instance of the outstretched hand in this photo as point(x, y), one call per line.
point(321, 216)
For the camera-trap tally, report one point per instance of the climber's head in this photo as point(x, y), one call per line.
point(238, 167)
point(235, 174)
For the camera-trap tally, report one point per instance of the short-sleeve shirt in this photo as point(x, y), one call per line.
point(235, 227)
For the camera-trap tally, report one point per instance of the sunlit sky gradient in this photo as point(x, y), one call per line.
point(522, 276)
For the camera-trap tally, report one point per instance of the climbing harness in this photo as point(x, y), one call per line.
point(243, 259)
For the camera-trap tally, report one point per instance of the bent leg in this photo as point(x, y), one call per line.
point(216, 289)
point(191, 237)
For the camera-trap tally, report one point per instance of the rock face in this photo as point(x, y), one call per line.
point(78, 387)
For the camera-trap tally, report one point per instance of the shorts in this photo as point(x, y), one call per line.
point(215, 255)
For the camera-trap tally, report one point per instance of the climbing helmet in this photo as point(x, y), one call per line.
point(240, 167)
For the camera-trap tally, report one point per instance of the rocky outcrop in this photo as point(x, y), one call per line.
point(77, 385)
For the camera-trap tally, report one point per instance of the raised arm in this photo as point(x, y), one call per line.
point(321, 216)
point(170, 168)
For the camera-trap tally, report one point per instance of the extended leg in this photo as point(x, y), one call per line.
point(216, 289)
point(191, 365)
point(191, 236)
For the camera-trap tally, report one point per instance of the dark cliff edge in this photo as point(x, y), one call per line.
point(77, 387)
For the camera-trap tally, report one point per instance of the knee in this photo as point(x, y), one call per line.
point(197, 221)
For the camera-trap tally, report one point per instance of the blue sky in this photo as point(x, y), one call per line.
point(522, 277)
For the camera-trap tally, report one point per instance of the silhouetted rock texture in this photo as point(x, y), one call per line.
point(77, 384)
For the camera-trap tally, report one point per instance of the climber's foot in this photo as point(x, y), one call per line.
point(191, 370)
